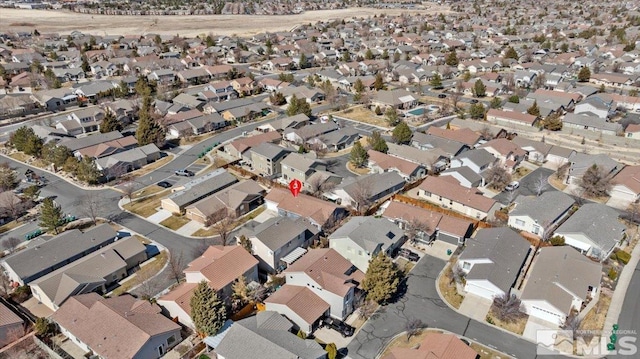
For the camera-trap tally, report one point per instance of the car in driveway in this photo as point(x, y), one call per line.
point(185, 173)
point(164, 184)
point(442, 95)
point(339, 326)
point(512, 186)
point(409, 254)
point(474, 101)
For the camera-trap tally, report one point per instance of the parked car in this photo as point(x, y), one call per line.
point(341, 327)
point(408, 254)
point(185, 173)
point(512, 186)
point(474, 101)
point(164, 184)
point(442, 95)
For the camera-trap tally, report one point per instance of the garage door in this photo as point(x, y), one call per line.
point(545, 315)
point(480, 291)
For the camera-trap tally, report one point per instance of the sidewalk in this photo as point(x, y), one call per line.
point(621, 289)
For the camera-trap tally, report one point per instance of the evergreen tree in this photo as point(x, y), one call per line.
point(385, 54)
point(87, 171)
point(511, 54)
point(110, 123)
point(304, 62)
point(378, 84)
point(207, 310)
point(358, 156)
point(332, 351)
point(402, 134)
point(496, 102)
point(382, 279)
point(368, 55)
point(50, 215)
point(479, 89)
point(584, 74)
point(534, 109)
point(149, 130)
point(358, 86)
point(451, 59)
point(391, 116)
point(514, 99)
point(436, 81)
point(378, 143)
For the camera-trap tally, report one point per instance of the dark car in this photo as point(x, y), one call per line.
point(442, 95)
point(341, 327)
point(185, 173)
point(474, 101)
point(408, 254)
point(164, 184)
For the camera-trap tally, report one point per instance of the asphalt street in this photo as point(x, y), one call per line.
point(421, 301)
point(629, 319)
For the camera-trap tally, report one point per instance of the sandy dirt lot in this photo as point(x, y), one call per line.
point(64, 22)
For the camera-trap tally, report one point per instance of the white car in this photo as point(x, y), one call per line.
point(512, 186)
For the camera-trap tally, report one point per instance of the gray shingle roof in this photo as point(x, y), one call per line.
point(506, 250)
point(34, 262)
point(545, 209)
point(203, 186)
point(369, 232)
point(278, 231)
point(269, 150)
point(596, 221)
point(478, 156)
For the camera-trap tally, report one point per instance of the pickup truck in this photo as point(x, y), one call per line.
point(184, 172)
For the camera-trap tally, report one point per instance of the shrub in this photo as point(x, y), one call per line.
point(557, 240)
point(623, 257)
point(612, 274)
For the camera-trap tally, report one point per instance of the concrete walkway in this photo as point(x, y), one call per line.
point(621, 289)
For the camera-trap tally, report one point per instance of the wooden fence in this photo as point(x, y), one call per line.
point(432, 207)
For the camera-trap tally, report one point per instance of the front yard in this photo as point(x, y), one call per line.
point(211, 231)
point(175, 222)
point(516, 327)
point(146, 207)
point(144, 273)
point(447, 287)
point(9, 226)
point(151, 167)
point(594, 320)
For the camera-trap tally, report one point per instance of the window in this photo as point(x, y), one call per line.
point(161, 350)
point(519, 222)
point(466, 265)
point(536, 229)
point(270, 253)
point(171, 340)
point(359, 253)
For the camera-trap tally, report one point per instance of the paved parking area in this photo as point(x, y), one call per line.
point(475, 307)
point(437, 249)
point(196, 168)
point(331, 336)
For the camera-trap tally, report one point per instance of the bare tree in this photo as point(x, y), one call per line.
point(540, 184)
point(509, 82)
point(633, 212)
point(361, 195)
point(561, 170)
point(5, 285)
point(508, 308)
point(454, 97)
point(11, 206)
point(457, 274)
point(498, 177)
point(176, 266)
point(486, 133)
point(415, 229)
point(540, 81)
point(595, 182)
point(11, 244)
point(92, 204)
point(148, 285)
point(413, 326)
point(246, 243)
point(223, 222)
point(128, 189)
point(319, 185)
point(366, 308)
point(572, 323)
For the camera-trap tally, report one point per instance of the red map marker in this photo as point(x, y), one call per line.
point(295, 186)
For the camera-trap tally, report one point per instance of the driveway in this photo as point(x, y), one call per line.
point(534, 325)
point(475, 307)
point(529, 185)
point(159, 216)
point(331, 336)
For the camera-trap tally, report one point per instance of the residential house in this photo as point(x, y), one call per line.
point(129, 328)
point(381, 162)
point(508, 153)
point(305, 133)
point(559, 155)
point(580, 162)
point(507, 118)
point(266, 335)
point(234, 201)
point(75, 144)
point(535, 151)
point(120, 163)
point(360, 239)
point(426, 142)
point(309, 170)
point(615, 80)
point(98, 272)
point(220, 267)
point(539, 215)
point(632, 131)
point(464, 135)
point(321, 283)
point(12, 326)
point(626, 185)
point(595, 230)
point(595, 105)
point(493, 261)
point(82, 121)
point(319, 213)
point(266, 159)
point(478, 160)
point(434, 160)
point(335, 141)
point(361, 191)
point(296, 121)
point(435, 346)
point(434, 225)
point(448, 193)
point(45, 257)
point(560, 281)
point(397, 99)
point(236, 149)
point(197, 189)
point(279, 241)
point(107, 148)
point(590, 122)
